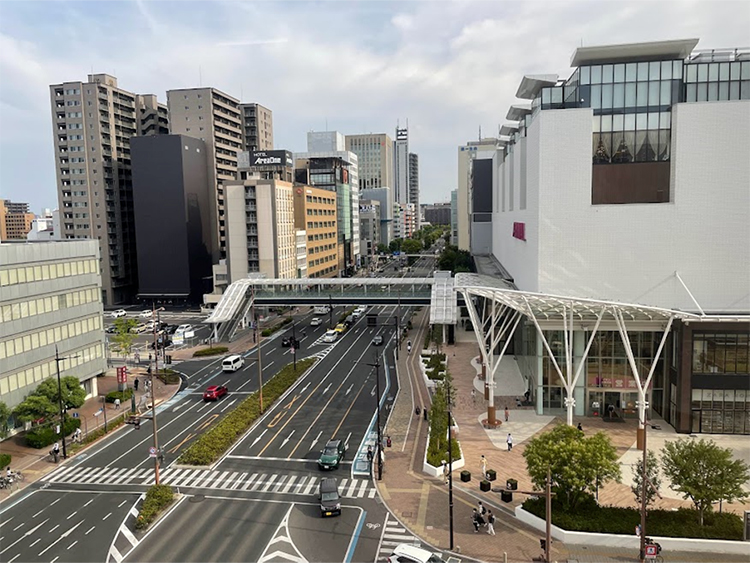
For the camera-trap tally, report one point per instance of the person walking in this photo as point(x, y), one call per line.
point(475, 520)
point(424, 412)
point(418, 411)
point(474, 396)
point(135, 384)
point(56, 451)
point(117, 404)
point(580, 428)
point(509, 440)
point(483, 464)
point(481, 509)
point(490, 523)
point(446, 473)
point(507, 414)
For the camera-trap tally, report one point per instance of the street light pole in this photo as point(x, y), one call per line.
point(153, 405)
point(260, 367)
point(378, 452)
point(450, 461)
point(644, 484)
point(58, 359)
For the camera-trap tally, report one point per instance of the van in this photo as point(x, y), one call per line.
point(232, 363)
point(328, 496)
point(322, 310)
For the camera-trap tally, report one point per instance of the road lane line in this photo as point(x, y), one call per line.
point(91, 529)
point(16, 557)
point(36, 541)
point(72, 544)
point(123, 502)
point(52, 530)
point(88, 503)
point(71, 516)
point(21, 525)
point(107, 516)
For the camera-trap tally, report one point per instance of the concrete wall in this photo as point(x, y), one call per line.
point(236, 229)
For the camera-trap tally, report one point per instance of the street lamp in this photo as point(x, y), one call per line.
point(153, 400)
point(378, 452)
point(257, 344)
point(450, 461)
point(58, 359)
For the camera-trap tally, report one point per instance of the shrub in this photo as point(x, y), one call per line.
point(169, 377)
point(589, 517)
point(122, 395)
point(4, 460)
point(210, 351)
point(266, 332)
point(212, 444)
point(43, 436)
point(437, 449)
point(157, 499)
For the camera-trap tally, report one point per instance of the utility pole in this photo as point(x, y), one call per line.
point(378, 452)
point(330, 311)
point(58, 359)
point(548, 514)
point(153, 404)
point(644, 484)
point(257, 343)
point(450, 460)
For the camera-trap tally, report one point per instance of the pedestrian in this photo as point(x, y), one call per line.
point(507, 414)
point(483, 463)
point(481, 508)
point(424, 412)
point(509, 439)
point(149, 358)
point(490, 523)
point(408, 348)
point(480, 520)
point(580, 428)
point(117, 404)
point(9, 473)
point(137, 357)
point(474, 396)
point(56, 451)
point(446, 472)
point(418, 411)
point(475, 520)
point(369, 454)
point(77, 435)
point(135, 384)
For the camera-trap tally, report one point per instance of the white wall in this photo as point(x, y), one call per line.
point(236, 229)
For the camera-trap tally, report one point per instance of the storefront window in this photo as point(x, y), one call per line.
point(720, 353)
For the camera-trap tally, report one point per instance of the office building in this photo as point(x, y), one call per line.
point(213, 117)
point(15, 220)
point(369, 228)
point(454, 217)
point(401, 166)
point(438, 213)
point(315, 213)
point(257, 127)
point(301, 240)
point(153, 117)
point(326, 141)
point(173, 226)
point(384, 198)
point(93, 123)
point(50, 297)
point(485, 148)
point(45, 226)
point(261, 235)
point(375, 158)
point(414, 186)
point(603, 192)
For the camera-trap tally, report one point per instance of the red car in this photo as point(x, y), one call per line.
point(215, 392)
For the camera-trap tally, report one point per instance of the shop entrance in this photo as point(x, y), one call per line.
point(614, 404)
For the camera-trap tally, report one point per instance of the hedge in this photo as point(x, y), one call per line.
point(271, 329)
point(94, 435)
point(157, 499)
point(213, 443)
point(4, 460)
point(122, 395)
point(211, 351)
point(43, 436)
point(591, 517)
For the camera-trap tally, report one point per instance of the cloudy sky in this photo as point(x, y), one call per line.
point(353, 66)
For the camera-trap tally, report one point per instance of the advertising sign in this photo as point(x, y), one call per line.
point(255, 159)
point(122, 375)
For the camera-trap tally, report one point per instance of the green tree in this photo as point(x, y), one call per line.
point(395, 245)
point(124, 337)
point(577, 464)
point(35, 407)
point(411, 246)
point(4, 416)
point(73, 394)
point(652, 474)
point(382, 247)
point(704, 472)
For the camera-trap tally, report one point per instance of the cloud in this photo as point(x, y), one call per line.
point(449, 67)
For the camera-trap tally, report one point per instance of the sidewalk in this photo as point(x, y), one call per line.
point(35, 463)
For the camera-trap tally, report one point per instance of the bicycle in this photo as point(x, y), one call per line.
point(17, 475)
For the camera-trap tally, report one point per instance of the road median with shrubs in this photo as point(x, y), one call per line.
point(158, 498)
point(214, 443)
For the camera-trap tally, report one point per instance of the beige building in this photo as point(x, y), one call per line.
point(93, 123)
point(375, 159)
point(213, 117)
point(15, 220)
point(153, 117)
point(260, 231)
point(466, 154)
point(315, 212)
point(257, 127)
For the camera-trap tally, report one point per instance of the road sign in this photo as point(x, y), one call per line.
point(152, 451)
point(651, 551)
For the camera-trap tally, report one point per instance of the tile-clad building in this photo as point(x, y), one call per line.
point(15, 220)
point(257, 127)
point(315, 212)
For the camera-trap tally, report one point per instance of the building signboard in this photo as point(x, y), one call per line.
point(264, 159)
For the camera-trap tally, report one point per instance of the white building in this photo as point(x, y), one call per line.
point(45, 227)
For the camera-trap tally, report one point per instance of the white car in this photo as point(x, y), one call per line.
point(330, 336)
point(147, 314)
point(183, 328)
point(316, 321)
point(405, 553)
point(119, 313)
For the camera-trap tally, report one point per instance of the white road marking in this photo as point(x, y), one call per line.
point(315, 441)
point(91, 529)
point(88, 503)
point(71, 516)
point(284, 443)
point(27, 534)
point(107, 516)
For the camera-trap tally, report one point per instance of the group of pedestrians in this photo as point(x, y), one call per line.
point(422, 411)
point(483, 518)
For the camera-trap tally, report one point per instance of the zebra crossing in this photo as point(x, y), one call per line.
point(394, 534)
point(305, 485)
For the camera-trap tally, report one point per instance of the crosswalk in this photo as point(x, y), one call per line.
point(305, 485)
point(393, 535)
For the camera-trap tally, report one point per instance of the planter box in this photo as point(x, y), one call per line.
point(438, 471)
point(485, 485)
point(491, 475)
point(465, 476)
point(511, 485)
point(506, 496)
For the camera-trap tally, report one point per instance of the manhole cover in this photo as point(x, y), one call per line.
point(197, 498)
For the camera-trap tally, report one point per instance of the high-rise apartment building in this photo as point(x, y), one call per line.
point(15, 220)
point(369, 221)
point(375, 157)
point(401, 166)
point(315, 212)
point(414, 185)
point(454, 217)
point(153, 117)
point(257, 127)
point(93, 123)
point(213, 117)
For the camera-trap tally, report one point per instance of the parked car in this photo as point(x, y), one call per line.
point(332, 454)
point(377, 341)
point(215, 392)
point(147, 314)
point(110, 329)
point(119, 313)
point(140, 328)
point(316, 321)
point(183, 328)
point(170, 329)
point(161, 343)
point(406, 553)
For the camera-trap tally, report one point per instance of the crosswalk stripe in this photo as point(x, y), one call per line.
point(105, 476)
point(352, 487)
point(82, 475)
point(289, 484)
point(239, 481)
point(230, 479)
point(59, 473)
point(259, 482)
point(123, 476)
point(300, 486)
point(175, 475)
point(311, 486)
point(372, 493)
point(362, 488)
point(269, 483)
point(194, 474)
point(250, 481)
point(222, 477)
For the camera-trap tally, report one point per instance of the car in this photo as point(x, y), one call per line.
point(377, 341)
point(332, 454)
point(183, 328)
point(329, 498)
point(215, 392)
point(161, 343)
point(119, 313)
point(170, 329)
point(139, 328)
point(110, 329)
point(288, 341)
point(407, 553)
point(340, 328)
point(147, 314)
point(330, 336)
point(316, 321)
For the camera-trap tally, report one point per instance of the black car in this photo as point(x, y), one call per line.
point(161, 343)
point(286, 342)
point(377, 341)
point(170, 329)
point(111, 329)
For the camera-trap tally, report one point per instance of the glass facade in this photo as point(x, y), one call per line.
point(721, 353)
point(721, 411)
point(717, 81)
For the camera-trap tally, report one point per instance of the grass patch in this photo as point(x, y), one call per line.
point(157, 499)
point(5, 460)
point(169, 377)
point(590, 517)
point(212, 351)
point(212, 444)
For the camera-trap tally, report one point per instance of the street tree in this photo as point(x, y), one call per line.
point(411, 246)
point(577, 465)
point(704, 472)
point(4, 419)
point(382, 248)
point(395, 245)
point(652, 475)
point(124, 337)
point(34, 407)
point(73, 394)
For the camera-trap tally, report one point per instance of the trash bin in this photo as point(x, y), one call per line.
point(465, 476)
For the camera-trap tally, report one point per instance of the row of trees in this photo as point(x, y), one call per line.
point(44, 401)
point(700, 470)
point(423, 239)
point(455, 260)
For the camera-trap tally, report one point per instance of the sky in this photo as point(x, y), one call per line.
point(450, 68)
